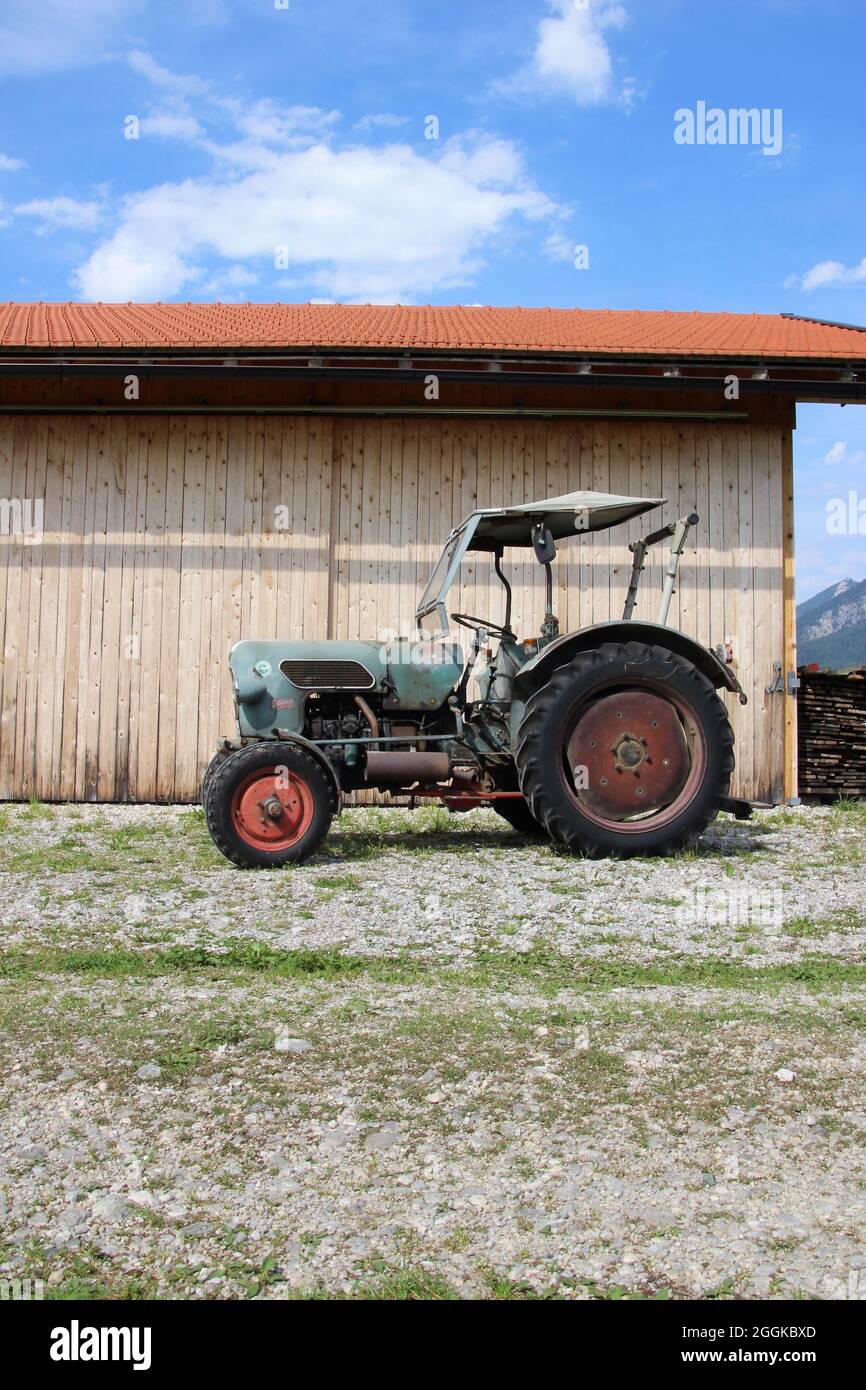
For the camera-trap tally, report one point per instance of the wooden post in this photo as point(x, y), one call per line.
point(789, 612)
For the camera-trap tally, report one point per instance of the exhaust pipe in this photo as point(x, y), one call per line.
point(401, 769)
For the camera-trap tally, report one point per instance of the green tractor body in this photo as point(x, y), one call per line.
point(607, 740)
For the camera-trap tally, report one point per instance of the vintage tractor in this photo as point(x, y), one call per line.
point(610, 741)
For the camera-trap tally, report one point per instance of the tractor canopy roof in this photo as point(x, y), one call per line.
point(568, 515)
point(493, 528)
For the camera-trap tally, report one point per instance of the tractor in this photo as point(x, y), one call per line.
point(612, 740)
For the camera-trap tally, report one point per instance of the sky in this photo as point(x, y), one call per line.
point(420, 152)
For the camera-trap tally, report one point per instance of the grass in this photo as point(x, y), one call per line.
point(546, 969)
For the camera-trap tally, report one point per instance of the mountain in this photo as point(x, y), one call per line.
point(831, 626)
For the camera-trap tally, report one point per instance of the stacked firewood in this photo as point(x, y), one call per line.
point(831, 711)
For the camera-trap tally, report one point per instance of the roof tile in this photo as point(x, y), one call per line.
point(446, 327)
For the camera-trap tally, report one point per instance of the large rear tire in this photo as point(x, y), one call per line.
point(627, 750)
point(520, 818)
point(268, 805)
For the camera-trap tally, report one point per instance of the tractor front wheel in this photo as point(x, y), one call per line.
point(268, 805)
point(627, 750)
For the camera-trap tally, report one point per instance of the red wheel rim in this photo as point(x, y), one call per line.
point(634, 757)
point(272, 809)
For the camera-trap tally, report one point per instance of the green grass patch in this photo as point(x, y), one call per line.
point(547, 970)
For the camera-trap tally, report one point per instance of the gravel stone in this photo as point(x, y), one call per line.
point(531, 1067)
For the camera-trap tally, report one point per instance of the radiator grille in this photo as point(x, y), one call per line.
point(328, 675)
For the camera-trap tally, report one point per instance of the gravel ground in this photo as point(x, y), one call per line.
point(435, 1062)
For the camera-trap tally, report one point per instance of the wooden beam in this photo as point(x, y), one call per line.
point(789, 613)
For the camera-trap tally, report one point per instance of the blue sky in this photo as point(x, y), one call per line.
point(282, 154)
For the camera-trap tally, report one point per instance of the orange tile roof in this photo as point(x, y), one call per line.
point(449, 328)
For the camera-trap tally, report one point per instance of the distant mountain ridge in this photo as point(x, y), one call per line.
point(831, 626)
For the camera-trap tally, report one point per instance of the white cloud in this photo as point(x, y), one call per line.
point(572, 57)
point(39, 36)
point(54, 213)
point(370, 224)
point(55, 34)
point(829, 273)
point(8, 165)
point(559, 247)
point(839, 454)
point(358, 222)
point(147, 67)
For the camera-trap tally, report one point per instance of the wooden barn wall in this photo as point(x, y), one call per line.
point(167, 538)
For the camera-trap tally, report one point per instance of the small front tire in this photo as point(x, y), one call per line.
point(268, 805)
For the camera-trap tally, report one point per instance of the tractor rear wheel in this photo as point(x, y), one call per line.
point(627, 750)
point(520, 818)
point(268, 805)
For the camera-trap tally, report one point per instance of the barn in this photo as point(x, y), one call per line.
point(174, 477)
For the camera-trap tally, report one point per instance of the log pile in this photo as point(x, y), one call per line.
point(831, 712)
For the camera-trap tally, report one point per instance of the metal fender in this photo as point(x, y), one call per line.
point(284, 736)
point(538, 669)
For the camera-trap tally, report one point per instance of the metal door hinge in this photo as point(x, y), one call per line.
point(780, 687)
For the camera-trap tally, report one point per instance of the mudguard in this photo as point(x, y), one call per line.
point(537, 671)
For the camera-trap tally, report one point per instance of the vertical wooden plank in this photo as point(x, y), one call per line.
point(323, 546)
point(134, 450)
point(315, 557)
point(339, 520)
point(90, 580)
point(391, 537)
point(496, 432)
point(114, 651)
point(149, 450)
point(585, 466)
point(32, 577)
point(714, 536)
point(356, 524)
point(749, 674)
point(14, 639)
point(218, 634)
point(170, 616)
point(764, 648)
point(600, 572)
point(617, 538)
point(232, 581)
point(775, 749)
point(190, 551)
point(789, 614)
point(7, 446)
point(70, 619)
point(152, 646)
point(652, 485)
point(370, 525)
point(685, 598)
point(426, 485)
point(407, 559)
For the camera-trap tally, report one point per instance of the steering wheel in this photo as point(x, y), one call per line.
point(464, 620)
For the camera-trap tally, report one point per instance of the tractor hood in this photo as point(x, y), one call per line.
point(273, 679)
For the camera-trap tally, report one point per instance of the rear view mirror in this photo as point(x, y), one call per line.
point(543, 544)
